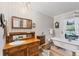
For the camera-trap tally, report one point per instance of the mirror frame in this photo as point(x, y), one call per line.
point(19, 18)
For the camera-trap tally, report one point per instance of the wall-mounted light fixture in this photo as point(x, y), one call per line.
point(33, 25)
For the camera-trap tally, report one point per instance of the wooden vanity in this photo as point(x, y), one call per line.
point(28, 47)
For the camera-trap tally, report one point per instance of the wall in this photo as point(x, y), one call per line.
point(43, 23)
point(62, 19)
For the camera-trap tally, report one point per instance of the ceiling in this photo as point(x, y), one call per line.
point(54, 8)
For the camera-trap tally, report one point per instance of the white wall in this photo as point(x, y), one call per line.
point(43, 23)
point(62, 19)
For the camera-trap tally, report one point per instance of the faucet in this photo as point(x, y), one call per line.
point(18, 38)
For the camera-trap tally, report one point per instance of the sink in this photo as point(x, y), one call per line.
point(16, 43)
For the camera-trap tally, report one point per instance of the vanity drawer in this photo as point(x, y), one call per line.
point(12, 50)
point(22, 47)
point(34, 44)
point(16, 51)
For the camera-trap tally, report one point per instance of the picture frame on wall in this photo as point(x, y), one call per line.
point(56, 24)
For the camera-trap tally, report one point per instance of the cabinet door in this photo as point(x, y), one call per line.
point(12, 51)
point(20, 53)
point(33, 49)
point(22, 50)
point(42, 39)
point(25, 52)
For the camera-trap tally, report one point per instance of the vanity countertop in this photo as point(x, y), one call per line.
point(27, 41)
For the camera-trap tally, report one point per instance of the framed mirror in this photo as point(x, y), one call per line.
point(21, 23)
